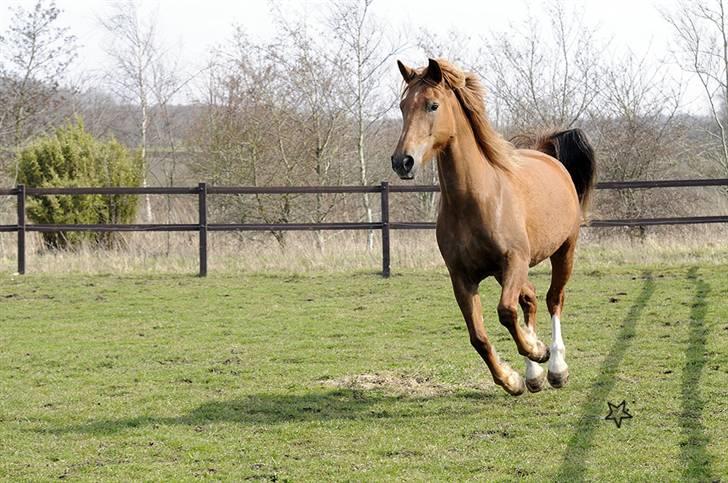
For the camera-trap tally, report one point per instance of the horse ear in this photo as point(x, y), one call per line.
point(407, 73)
point(434, 72)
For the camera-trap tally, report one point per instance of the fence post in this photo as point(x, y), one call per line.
point(385, 229)
point(202, 197)
point(21, 229)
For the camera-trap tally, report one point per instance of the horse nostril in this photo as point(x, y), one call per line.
point(409, 161)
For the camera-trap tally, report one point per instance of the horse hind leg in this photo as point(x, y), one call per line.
point(561, 265)
point(535, 374)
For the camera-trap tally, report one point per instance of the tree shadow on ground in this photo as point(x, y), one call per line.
point(697, 461)
point(573, 466)
point(270, 408)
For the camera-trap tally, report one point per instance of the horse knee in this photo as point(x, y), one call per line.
point(480, 344)
point(478, 341)
point(527, 300)
point(507, 314)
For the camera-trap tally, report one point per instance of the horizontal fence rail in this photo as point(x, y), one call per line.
point(385, 225)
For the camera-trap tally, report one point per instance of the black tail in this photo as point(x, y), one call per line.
point(573, 149)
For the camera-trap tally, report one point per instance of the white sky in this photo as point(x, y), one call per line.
point(193, 27)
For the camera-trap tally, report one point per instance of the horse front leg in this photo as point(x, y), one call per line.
point(466, 294)
point(514, 280)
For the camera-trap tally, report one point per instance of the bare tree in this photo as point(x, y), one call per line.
point(453, 46)
point(368, 57)
point(35, 53)
point(636, 117)
point(637, 133)
point(134, 50)
point(315, 80)
point(166, 83)
point(250, 130)
point(277, 113)
point(545, 72)
point(701, 48)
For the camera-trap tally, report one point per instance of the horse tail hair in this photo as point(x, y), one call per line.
point(573, 149)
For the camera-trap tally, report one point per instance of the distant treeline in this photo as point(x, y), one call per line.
point(317, 104)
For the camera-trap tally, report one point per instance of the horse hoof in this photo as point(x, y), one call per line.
point(515, 385)
point(537, 383)
point(558, 380)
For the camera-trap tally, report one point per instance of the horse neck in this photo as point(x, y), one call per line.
point(463, 170)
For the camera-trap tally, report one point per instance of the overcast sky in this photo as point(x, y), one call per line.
point(193, 27)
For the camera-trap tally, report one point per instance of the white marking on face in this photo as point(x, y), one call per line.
point(557, 361)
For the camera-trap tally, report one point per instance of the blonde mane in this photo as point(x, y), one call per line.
point(470, 94)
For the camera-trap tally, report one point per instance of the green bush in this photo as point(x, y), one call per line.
point(72, 157)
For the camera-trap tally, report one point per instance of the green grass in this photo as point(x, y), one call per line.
point(252, 377)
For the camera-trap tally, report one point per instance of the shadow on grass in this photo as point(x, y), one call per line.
point(696, 460)
point(261, 409)
point(573, 466)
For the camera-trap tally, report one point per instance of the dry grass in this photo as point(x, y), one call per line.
point(340, 252)
point(664, 246)
point(389, 383)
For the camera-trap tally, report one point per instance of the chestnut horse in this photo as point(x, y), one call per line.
point(502, 210)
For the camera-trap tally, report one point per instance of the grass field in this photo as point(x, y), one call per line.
point(347, 376)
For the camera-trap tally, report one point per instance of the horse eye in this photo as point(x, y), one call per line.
point(433, 106)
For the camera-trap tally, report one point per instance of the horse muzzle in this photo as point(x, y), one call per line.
point(404, 166)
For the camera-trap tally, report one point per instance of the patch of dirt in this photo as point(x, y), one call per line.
point(416, 386)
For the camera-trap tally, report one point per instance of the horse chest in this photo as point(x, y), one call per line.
point(468, 249)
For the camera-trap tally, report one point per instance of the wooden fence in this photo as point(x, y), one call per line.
point(203, 191)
